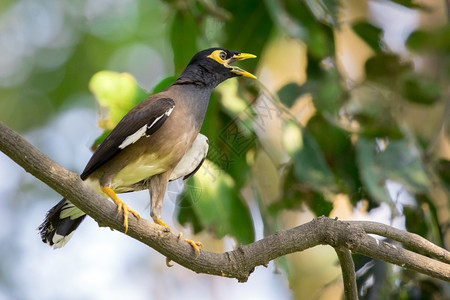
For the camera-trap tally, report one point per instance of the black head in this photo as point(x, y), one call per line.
point(212, 66)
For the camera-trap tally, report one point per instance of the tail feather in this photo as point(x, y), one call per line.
point(60, 223)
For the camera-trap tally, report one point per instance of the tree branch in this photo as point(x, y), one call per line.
point(411, 240)
point(348, 273)
point(238, 263)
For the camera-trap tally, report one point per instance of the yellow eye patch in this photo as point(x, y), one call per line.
point(219, 56)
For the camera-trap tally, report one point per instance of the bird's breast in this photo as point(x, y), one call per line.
point(155, 159)
point(143, 167)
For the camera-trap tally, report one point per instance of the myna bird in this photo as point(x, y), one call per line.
point(156, 142)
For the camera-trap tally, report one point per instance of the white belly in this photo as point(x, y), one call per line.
point(193, 157)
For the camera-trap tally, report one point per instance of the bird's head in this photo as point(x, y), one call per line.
point(212, 66)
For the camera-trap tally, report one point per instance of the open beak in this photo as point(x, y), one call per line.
point(239, 71)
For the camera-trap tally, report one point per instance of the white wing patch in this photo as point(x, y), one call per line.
point(170, 110)
point(156, 120)
point(131, 139)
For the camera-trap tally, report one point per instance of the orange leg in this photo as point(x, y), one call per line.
point(121, 206)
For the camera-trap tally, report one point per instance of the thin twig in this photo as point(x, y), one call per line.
point(348, 273)
point(408, 239)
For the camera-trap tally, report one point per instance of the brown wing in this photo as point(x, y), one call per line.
point(143, 120)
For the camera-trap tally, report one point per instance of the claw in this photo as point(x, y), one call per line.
point(168, 264)
point(195, 245)
point(121, 206)
point(161, 222)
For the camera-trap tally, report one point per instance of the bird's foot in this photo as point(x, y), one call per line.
point(121, 206)
point(162, 223)
point(195, 245)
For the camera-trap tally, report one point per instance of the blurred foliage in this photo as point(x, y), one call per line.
point(213, 200)
point(359, 138)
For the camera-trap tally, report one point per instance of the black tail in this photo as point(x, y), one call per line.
point(60, 223)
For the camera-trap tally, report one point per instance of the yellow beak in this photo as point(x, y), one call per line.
point(242, 56)
point(239, 71)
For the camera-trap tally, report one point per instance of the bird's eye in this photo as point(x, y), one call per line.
point(223, 55)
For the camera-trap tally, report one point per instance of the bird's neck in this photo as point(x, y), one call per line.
point(194, 98)
point(196, 84)
point(199, 76)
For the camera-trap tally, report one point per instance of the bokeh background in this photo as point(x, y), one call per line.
point(349, 118)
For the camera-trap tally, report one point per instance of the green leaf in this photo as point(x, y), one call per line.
point(216, 204)
point(320, 41)
point(371, 34)
point(293, 196)
point(318, 37)
point(385, 68)
point(443, 170)
point(339, 153)
point(229, 145)
point(117, 93)
point(183, 37)
point(328, 98)
point(311, 168)
point(289, 93)
point(418, 40)
point(370, 105)
point(249, 29)
point(421, 89)
point(230, 138)
point(371, 172)
point(214, 118)
point(231, 99)
point(436, 40)
point(430, 213)
point(400, 161)
point(422, 221)
point(325, 10)
point(185, 206)
point(324, 87)
point(318, 204)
